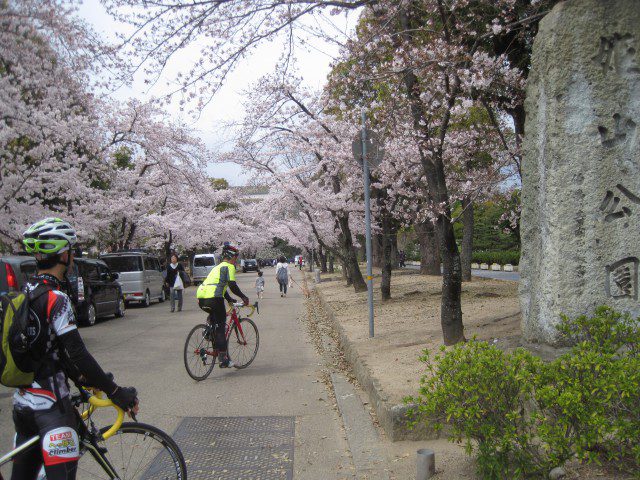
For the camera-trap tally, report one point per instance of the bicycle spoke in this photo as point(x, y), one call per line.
point(198, 353)
point(243, 345)
point(137, 452)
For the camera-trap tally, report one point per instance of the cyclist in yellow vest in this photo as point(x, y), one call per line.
point(212, 294)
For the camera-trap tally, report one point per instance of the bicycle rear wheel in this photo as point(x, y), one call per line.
point(243, 343)
point(136, 452)
point(199, 352)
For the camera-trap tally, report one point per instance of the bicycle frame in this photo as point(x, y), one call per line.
point(87, 440)
point(233, 320)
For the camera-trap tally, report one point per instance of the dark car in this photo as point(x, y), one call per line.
point(250, 265)
point(15, 270)
point(95, 291)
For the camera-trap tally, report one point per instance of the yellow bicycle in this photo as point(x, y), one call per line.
point(122, 451)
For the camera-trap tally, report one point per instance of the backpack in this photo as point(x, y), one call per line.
point(282, 275)
point(17, 366)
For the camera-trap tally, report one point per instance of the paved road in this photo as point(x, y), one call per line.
point(145, 347)
point(512, 276)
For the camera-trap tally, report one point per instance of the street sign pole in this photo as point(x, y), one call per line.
point(367, 220)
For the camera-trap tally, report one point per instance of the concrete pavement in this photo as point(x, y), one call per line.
point(145, 349)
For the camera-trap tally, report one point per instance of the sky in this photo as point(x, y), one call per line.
point(313, 64)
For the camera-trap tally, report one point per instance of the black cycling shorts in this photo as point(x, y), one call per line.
point(59, 447)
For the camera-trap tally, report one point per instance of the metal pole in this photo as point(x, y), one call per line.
point(367, 220)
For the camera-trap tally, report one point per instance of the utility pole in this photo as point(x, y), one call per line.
point(367, 220)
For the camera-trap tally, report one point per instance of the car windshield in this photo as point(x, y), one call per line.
point(204, 262)
point(250, 262)
point(124, 264)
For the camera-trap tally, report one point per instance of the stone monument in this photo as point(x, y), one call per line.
point(580, 222)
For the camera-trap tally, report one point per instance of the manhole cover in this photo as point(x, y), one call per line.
point(238, 448)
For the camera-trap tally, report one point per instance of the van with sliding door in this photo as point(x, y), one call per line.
point(140, 275)
point(202, 265)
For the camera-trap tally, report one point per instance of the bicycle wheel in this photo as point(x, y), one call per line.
point(243, 343)
point(199, 353)
point(136, 452)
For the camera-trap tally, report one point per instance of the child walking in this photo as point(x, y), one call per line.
point(259, 285)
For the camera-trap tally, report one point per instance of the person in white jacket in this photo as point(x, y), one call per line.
point(282, 275)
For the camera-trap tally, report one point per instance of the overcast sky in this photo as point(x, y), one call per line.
point(313, 64)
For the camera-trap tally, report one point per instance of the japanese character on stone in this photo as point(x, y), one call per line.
point(622, 278)
point(611, 202)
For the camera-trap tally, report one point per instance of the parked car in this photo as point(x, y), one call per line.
point(94, 290)
point(202, 265)
point(250, 264)
point(15, 270)
point(140, 275)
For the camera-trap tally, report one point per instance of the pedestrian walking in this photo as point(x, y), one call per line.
point(282, 275)
point(174, 279)
point(402, 257)
point(259, 285)
point(300, 262)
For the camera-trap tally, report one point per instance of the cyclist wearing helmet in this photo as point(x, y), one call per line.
point(212, 294)
point(55, 345)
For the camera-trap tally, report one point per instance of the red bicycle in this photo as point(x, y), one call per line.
point(243, 341)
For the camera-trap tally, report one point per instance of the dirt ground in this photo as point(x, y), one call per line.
point(409, 323)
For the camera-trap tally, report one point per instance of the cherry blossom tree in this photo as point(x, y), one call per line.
point(288, 140)
point(49, 140)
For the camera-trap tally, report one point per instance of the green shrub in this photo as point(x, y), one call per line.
point(590, 398)
point(522, 416)
point(501, 257)
point(482, 392)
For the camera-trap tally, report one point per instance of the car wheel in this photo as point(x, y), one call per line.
point(147, 299)
point(90, 321)
point(163, 296)
point(244, 270)
point(121, 308)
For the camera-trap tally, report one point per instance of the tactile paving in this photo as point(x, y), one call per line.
point(237, 448)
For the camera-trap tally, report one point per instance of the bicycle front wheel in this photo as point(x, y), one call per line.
point(243, 342)
point(136, 452)
point(199, 352)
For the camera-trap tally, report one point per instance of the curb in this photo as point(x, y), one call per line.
point(392, 417)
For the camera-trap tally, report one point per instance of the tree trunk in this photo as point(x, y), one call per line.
point(450, 308)
point(377, 250)
point(345, 274)
point(167, 248)
point(351, 258)
point(387, 257)
point(322, 256)
point(331, 268)
point(467, 238)
point(429, 248)
point(394, 249)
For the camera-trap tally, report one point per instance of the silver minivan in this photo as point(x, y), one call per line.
point(202, 265)
point(140, 275)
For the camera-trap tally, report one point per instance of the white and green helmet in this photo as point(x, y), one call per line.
point(50, 236)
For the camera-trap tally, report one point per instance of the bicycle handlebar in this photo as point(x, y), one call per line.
point(254, 307)
point(96, 401)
